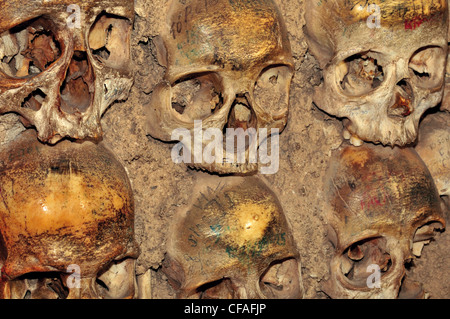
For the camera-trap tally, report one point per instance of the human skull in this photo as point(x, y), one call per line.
point(229, 67)
point(66, 222)
point(233, 242)
point(382, 207)
point(62, 63)
point(433, 147)
point(383, 64)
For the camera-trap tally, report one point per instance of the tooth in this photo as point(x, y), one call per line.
point(347, 135)
point(356, 141)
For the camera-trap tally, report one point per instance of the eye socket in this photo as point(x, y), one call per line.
point(281, 280)
point(272, 89)
point(29, 48)
point(45, 285)
point(109, 40)
point(197, 96)
point(360, 74)
point(427, 67)
point(359, 258)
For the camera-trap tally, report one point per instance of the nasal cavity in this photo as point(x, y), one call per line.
point(405, 88)
point(34, 100)
point(77, 90)
point(403, 101)
point(241, 115)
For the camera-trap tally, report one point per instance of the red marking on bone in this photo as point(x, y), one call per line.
point(416, 22)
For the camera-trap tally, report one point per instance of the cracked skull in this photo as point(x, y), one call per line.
point(383, 208)
point(66, 222)
point(234, 242)
point(61, 71)
point(383, 64)
point(229, 67)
